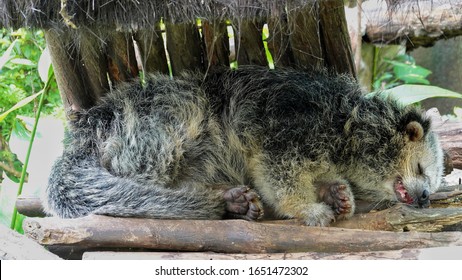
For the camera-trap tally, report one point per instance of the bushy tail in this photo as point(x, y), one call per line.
point(79, 186)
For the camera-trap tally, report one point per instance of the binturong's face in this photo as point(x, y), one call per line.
point(420, 169)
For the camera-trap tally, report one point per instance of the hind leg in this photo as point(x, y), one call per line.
point(242, 203)
point(338, 195)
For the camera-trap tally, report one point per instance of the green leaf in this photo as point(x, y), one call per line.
point(409, 72)
point(7, 54)
point(405, 58)
point(20, 104)
point(20, 129)
point(409, 94)
point(402, 71)
point(414, 79)
point(11, 160)
point(44, 65)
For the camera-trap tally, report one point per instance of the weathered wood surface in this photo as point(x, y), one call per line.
point(418, 23)
point(14, 246)
point(30, 206)
point(404, 218)
point(437, 253)
point(225, 236)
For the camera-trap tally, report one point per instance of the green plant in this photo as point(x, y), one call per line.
point(23, 73)
point(402, 70)
point(27, 88)
point(407, 82)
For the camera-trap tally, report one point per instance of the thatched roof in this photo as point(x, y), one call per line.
point(133, 14)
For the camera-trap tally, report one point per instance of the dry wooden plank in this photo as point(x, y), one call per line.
point(14, 246)
point(437, 253)
point(226, 236)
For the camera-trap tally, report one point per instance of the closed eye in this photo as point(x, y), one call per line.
point(420, 169)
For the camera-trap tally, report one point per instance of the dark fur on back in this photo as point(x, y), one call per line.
point(163, 149)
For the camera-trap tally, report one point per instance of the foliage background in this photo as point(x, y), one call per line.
point(22, 54)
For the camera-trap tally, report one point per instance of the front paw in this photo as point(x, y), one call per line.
point(318, 214)
point(339, 196)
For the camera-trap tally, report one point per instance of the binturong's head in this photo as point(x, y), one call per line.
point(420, 166)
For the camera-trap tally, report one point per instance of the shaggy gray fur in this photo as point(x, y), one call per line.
point(308, 143)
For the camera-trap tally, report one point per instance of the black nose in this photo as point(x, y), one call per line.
point(424, 199)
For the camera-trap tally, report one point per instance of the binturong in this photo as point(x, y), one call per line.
point(305, 144)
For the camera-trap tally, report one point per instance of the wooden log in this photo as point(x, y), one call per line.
point(418, 23)
point(249, 43)
point(14, 246)
point(68, 71)
point(216, 42)
point(404, 218)
point(437, 253)
point(152, 50)
point(447, 199)
point(226, 236)
point(335, 39)
point(30, 206)
point(304, 35)
point(94, 63)
point(184, 47)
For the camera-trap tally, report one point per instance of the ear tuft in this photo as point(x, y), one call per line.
point(414, 131)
